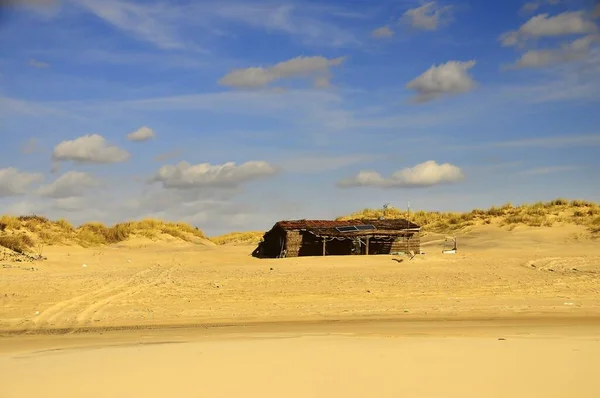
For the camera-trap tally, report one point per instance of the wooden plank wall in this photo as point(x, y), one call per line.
point(402, 244)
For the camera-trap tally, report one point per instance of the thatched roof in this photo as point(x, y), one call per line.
point(329, 227)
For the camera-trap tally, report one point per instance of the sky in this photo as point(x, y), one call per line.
point(232, 115)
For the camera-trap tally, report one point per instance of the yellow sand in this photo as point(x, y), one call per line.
point(543, 281)
point(461, 360)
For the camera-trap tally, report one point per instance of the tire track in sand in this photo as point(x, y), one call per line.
point(64, 308)
point(87, 316)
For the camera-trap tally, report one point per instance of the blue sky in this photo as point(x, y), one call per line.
point(232, 115)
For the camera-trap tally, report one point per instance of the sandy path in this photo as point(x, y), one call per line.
point(552, 358)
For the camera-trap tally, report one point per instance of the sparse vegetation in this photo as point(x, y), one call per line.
point(239, 238)
point(22, 233)
point(540, 214)
point(25, 232)
point(17, 242)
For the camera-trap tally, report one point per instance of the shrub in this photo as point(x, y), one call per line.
point(495, 212)
point(581, 203)
point(17, 243)
point(10, 222)
point(252, 237)
point(595, 224)
point(65, 225)
point(559, 202)
point(34, 218)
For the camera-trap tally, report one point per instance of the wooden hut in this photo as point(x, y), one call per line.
point(326, 237)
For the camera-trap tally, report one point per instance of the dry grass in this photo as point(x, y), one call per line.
point(239, 238)
point(540, 214)
point(22, 233)
point(17, 242)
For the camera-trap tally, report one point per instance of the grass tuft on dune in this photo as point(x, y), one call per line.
point(540, 214)
point(238, 238)
point(23, 232)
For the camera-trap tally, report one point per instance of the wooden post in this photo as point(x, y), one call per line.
point(324, 242)
point(367, 248)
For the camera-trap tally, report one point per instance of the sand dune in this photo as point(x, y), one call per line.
point(334, 326)
point(141, 282)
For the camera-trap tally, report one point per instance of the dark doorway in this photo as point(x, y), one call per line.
point(337, 247)
point(311, 245)
point(380, 246)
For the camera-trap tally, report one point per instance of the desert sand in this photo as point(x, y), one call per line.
point(333, 326)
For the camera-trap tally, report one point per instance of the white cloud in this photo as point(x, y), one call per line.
point(228, 175)
point(14, 182)
point(574, 51)
point(535, 5)
point(154, 23)
point(142, 134)
point(91, 148)
point(173, 26)
point(316, 67)
point(429, 16)
point(530, 7)
point(543, 25)
point(425, 174)
point(309, 23)
point(382, 32)
point(70, 184)
point(445, 79)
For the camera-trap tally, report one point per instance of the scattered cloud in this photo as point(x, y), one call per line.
point(229, 175)
point(530, 7)
point(430, 16)
point(38, 64)
point(91, 148)
point(316, 67)
point(14, 182)
point(173, 26)
point(543, 25)
point(70, 184)
point(426, 174)
point(154, 22)
point(444, 79)
point(576, 50)
point(382, 32)
point(533, 6)
point(548, 170)
point(311, 24)
point(596, 11)
point(142, 134)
